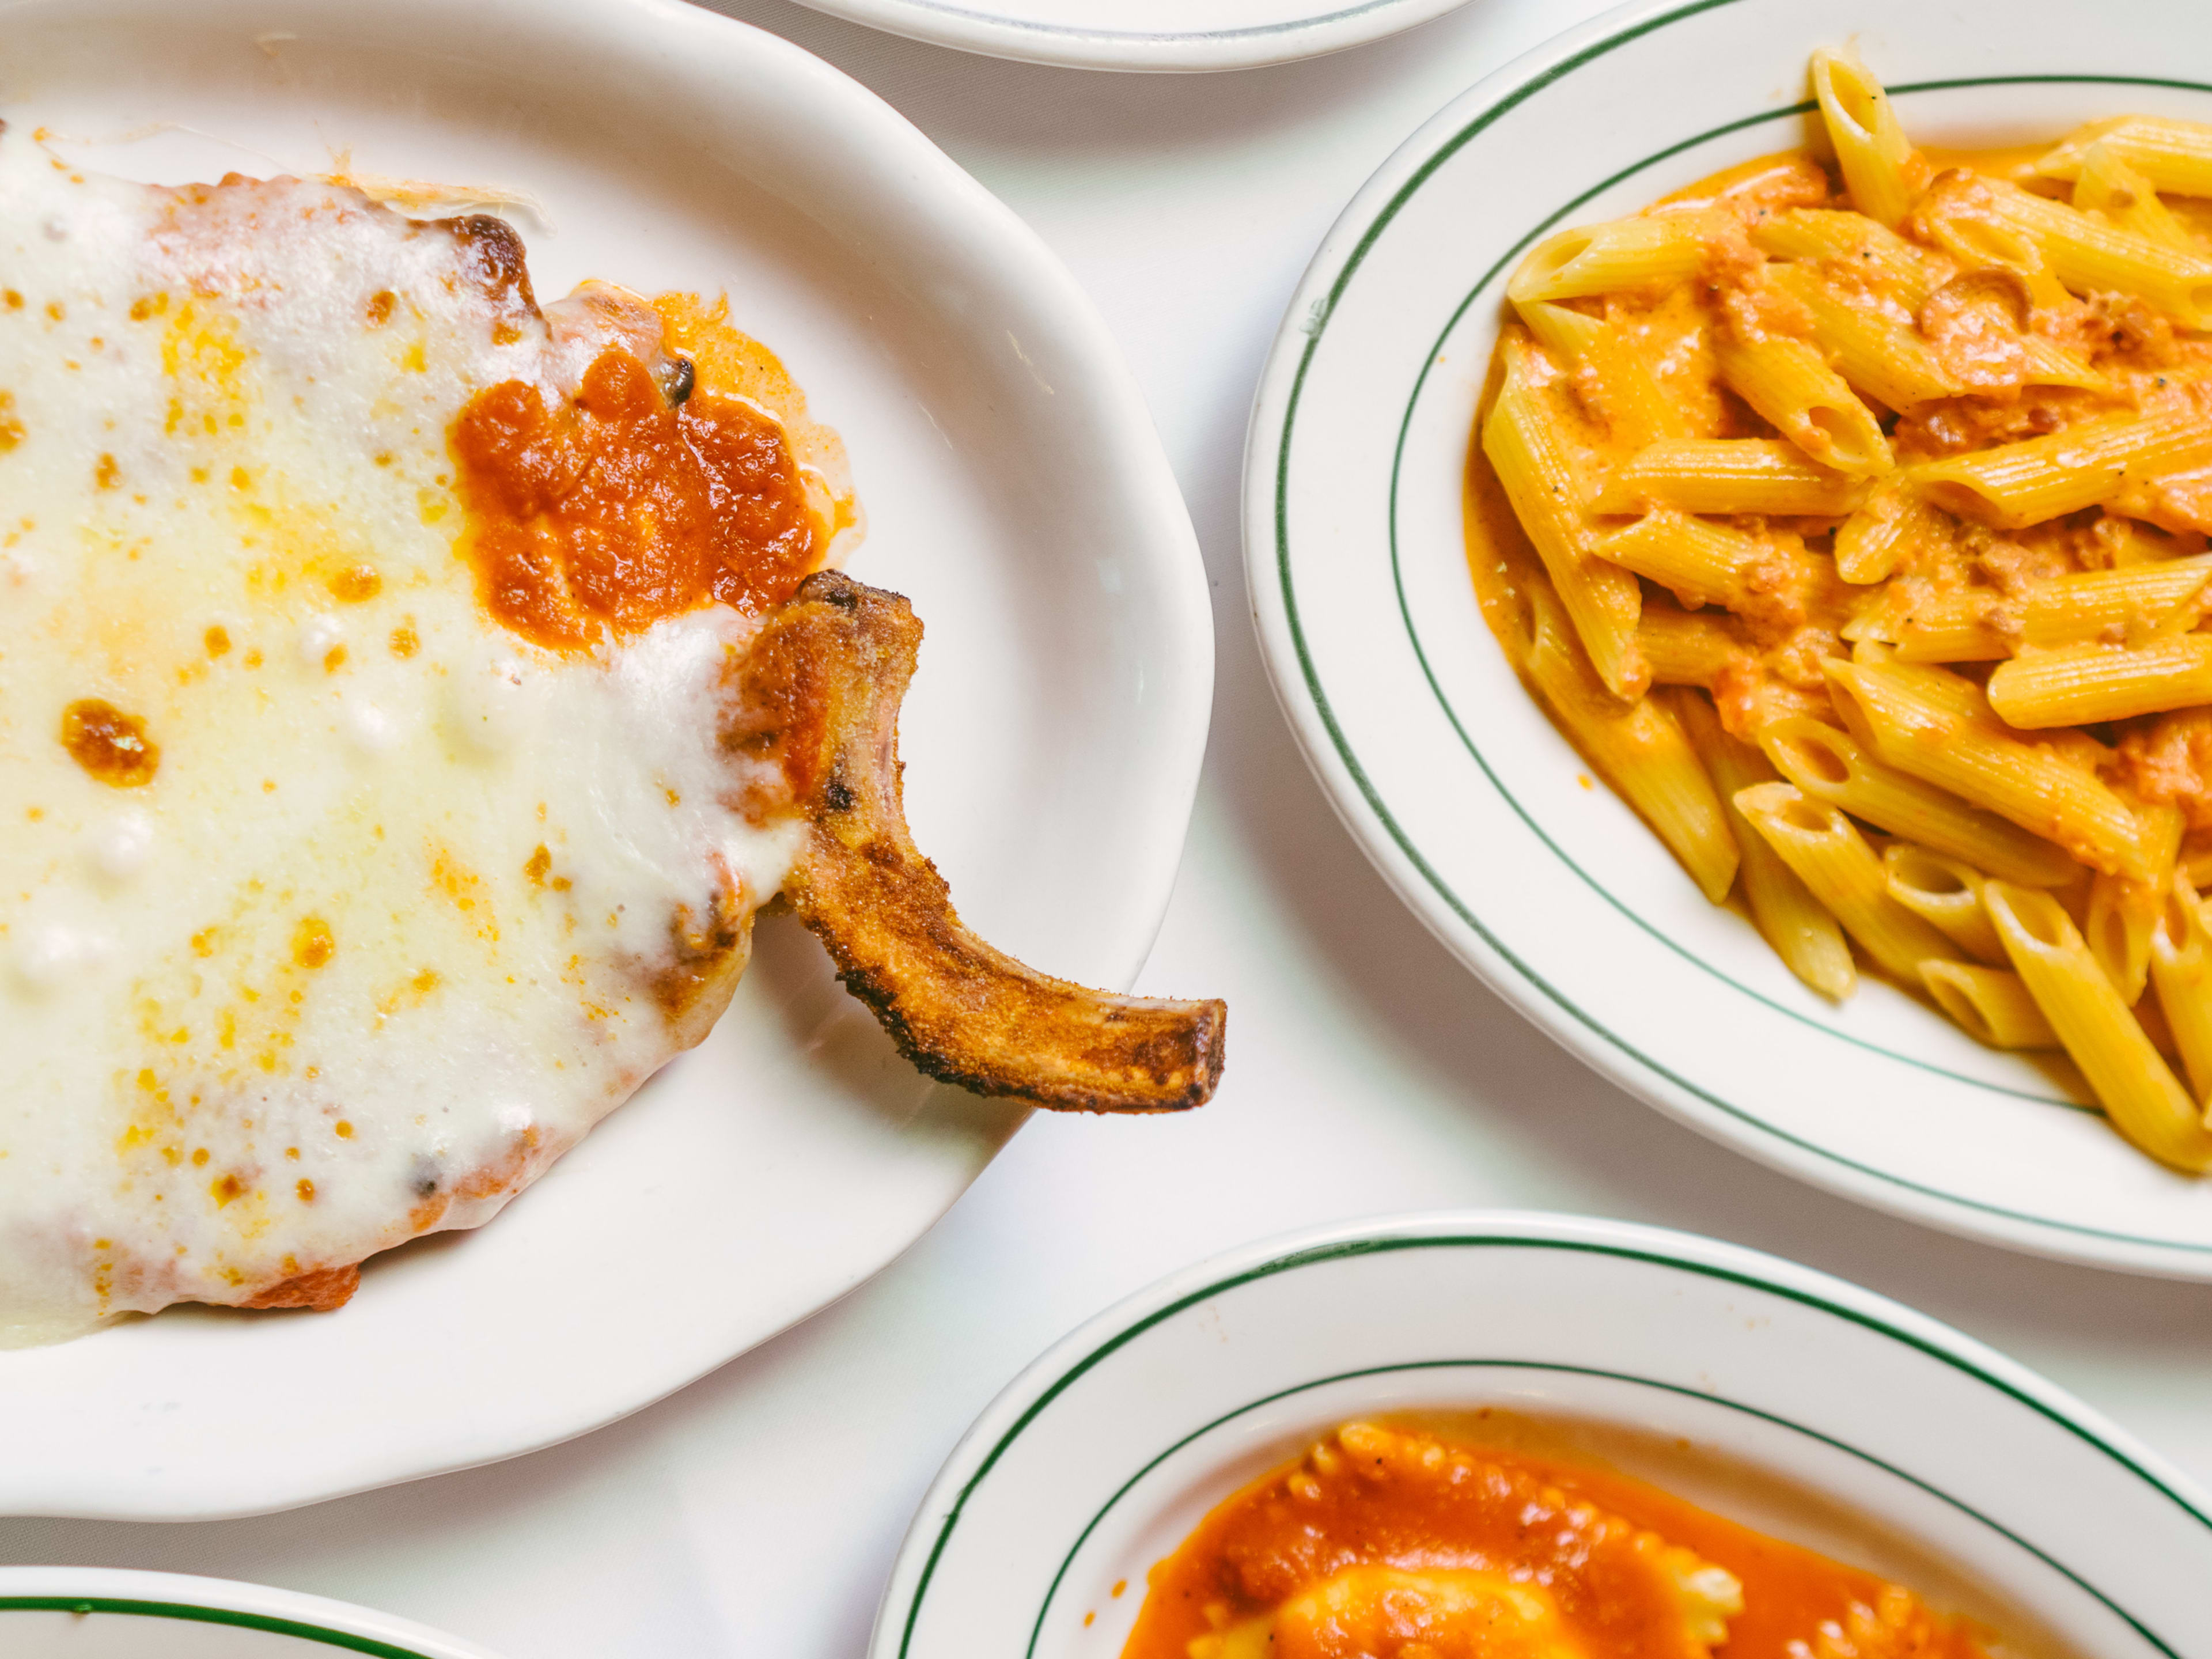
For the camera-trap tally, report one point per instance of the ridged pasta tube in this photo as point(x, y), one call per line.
point(1845, 874)
point(2085, 685)
point(2107, 185)
point(1649, 249)
point(1686, 647)
point(1540, 478)
point(1945, 892)
point(2175, 156)
point(1878, 353)
point(1893, 522)
point(2140, 1094)
point(2013, 485)
point(1791, 920)
point(1834, 767)
point(1789, 383)
point(1920, 724)
point(2181, 973)
point(1989, 1005)
point(1728, 475)
point(1879, 166)
point(1638, 746)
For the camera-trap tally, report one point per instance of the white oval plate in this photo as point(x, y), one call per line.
point(1463, 794)
point(1879, 1423)
point(97, 1613)
point(1143, 34)
point(1015, 490)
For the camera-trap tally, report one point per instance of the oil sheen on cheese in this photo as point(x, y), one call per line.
point(333, 905)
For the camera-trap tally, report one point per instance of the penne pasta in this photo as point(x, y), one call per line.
point(2108, 185)
point(1922, 728)
point(1832, 765)
point(2181, 974)
point(1791, 385)
point(2016, 484)
point(1638, 746)
point(1565, 333)
point(2049, 363)
point(1617, 377)
point(1728, 475)
point(1791, 920)
point(1990, 1005)
point(1893, 522)
point(1944, 892)
point(1703, 563)
point(1944, 708)
point(1648, 251)
point(2124, 605)
point(2175, 156)
point(1877, 351)
point(2085, 684)
point(1844, 873)
point(1540, 478)
point(1910, 273)
point(2122, 915)
point(1686, 647)
point(2086, 255)
point(2139, 1092)
point(1879, 168)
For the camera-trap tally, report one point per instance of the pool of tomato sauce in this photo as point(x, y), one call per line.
point(618, 507)
point(1788, 1590)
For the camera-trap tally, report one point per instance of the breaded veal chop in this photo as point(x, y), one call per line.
point(409, 694)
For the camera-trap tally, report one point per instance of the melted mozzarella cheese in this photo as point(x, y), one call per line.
point(378, 939)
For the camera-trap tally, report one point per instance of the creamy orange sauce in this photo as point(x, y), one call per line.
point(623, 507)
point(1609, 1551)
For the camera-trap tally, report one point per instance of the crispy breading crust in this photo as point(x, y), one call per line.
point(819, 693)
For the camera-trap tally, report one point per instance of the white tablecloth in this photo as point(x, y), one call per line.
point(757, 1512)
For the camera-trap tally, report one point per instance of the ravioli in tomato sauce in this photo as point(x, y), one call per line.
point(1393, 1543)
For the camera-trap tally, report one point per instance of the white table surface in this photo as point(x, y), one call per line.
point(757, 1512)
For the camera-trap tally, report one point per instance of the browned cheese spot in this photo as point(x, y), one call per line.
point(217, 641)
point(356, 583)
point(381, 305)
point(404, 641)
point(312, 944)
point(111, 745)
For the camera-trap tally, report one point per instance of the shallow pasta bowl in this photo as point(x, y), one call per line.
point(1015, 492)
point(1466, 798)
point(1854, 1424)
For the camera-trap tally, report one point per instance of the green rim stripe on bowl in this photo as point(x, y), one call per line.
point(1324, 311)
point(1036, 1631)
point(186, 1610)
point(1325, 1253)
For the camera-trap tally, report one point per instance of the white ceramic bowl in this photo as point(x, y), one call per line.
point(1464, 795)
point(1143, 34)
point(94, 1613)
point(1015, 490)
point(1871, 1429)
